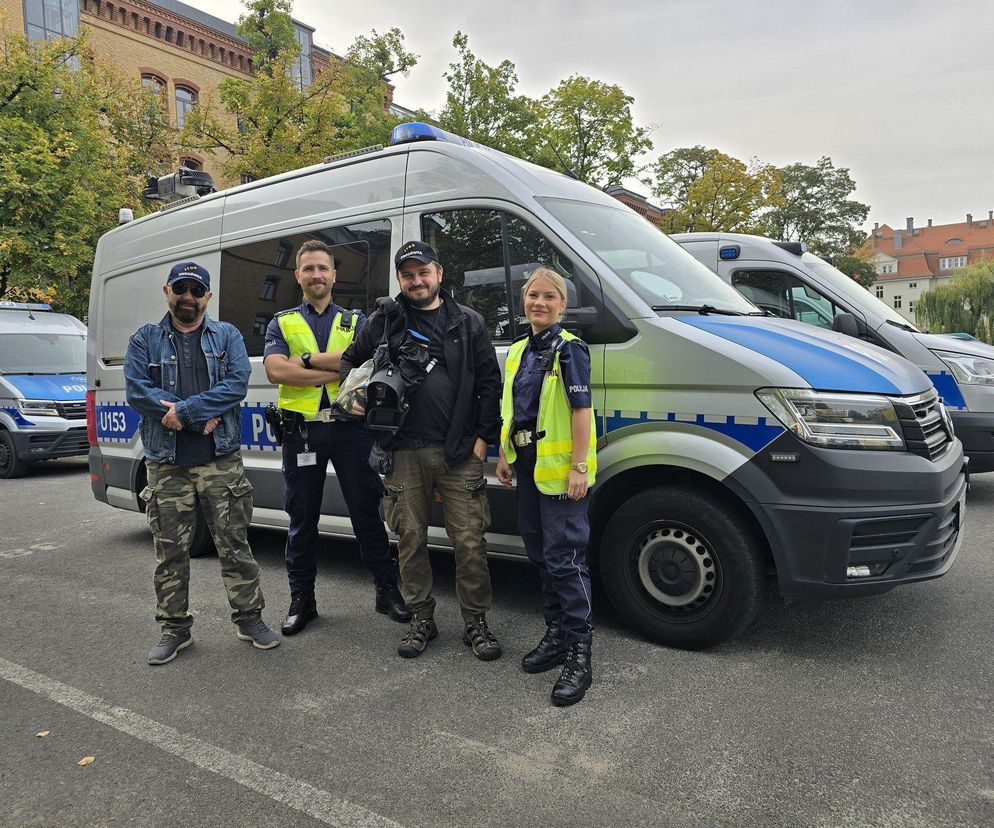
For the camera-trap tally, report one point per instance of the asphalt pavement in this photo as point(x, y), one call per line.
point(862, 712)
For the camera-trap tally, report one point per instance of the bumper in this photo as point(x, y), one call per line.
point(45, 445)
point(976, 432)
point(898, 514)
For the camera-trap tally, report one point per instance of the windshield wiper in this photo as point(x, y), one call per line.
point(902, 326)
point(703, 310)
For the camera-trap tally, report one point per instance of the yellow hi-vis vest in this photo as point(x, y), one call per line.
point(554, 450)
point(299, 336)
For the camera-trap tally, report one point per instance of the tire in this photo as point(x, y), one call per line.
point(681, 568)
point(202, 544)
point(10, 464)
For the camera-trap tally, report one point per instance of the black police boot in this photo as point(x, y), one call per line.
point(390, 602)
point(303, 608)
point(551, 651)
point(576, 676)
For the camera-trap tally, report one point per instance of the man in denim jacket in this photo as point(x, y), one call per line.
point(187, 376)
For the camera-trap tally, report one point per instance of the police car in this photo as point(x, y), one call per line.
point(42, 386)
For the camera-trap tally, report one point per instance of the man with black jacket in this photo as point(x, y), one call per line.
point(442, 444)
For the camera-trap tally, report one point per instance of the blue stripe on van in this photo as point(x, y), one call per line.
point(945, 384)
point(754, 432)
point(824, 364)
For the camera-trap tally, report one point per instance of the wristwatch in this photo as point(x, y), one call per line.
point(580, 467)
point(306, 359)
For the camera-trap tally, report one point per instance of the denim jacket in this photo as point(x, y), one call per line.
point(150, 372)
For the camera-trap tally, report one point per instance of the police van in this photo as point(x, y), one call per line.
point(789, 282)
point(42, 386)
point(730, 445)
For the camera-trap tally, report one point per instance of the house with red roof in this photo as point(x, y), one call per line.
point(913, 260)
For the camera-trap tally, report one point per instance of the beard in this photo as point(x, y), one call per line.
point(426, 299)
point(316, 292)
point(187, 314)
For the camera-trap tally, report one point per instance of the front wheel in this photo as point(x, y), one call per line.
point(10, 464)
point(681, 567)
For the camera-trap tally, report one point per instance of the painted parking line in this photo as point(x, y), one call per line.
point(293, 793)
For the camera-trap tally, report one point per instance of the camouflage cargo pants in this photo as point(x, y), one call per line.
point(224, 495)
point(466, 511)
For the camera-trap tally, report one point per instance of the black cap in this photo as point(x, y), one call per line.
point(415, 250)
point(191, 271)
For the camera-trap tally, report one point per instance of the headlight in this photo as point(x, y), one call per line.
point(38, 408)
point(853, 421)
point(970, 370)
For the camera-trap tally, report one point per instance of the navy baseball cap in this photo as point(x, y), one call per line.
point(415, 250)
point(191, 271)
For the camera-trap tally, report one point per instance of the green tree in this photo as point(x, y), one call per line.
point(480, 103)
point(75, 143)
point(268, 124)
point(856, 267)
point(964, 305)
point(709, 190)
point(592, 126)
point(815, 208)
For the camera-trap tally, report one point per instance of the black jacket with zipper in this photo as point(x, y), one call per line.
point(470, 360)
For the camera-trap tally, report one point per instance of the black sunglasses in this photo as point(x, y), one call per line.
point(179, 288)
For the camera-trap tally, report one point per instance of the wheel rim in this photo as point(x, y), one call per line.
point(677, 568)
point(6, 458)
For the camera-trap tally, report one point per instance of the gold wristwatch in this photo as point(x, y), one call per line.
point(580, 467)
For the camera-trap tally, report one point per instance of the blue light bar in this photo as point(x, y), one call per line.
point(39, 306)
point(409, 133)
point(730, 252)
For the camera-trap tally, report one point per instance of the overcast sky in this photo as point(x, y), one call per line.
point(899, 92)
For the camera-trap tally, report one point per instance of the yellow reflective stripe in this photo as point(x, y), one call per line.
point(546, 447)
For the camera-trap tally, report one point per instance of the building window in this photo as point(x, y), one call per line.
point(260, 324)
point(301, 70)
point(191, 164)
point(153, 83)
point(897, 303)
point(283, 252)
point(48, 19)
point(269, 287)
point(954, 241)
point(911, 307)
point(186, 99)
point(886, 268)
point(247, 179)
point(952, 262)
point(912, 285)
point(880, 291)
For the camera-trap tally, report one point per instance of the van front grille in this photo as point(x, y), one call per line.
point(924, 428)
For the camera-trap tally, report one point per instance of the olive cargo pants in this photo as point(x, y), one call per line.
point(407, 508)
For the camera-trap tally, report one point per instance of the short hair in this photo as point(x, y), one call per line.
point(316, 244)
point(558, 282)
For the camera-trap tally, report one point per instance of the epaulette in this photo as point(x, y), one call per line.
point(285, 312)
point(523, 336)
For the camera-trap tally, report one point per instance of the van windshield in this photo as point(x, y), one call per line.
point(37, 353)
point(660, 271)
point(859, 296)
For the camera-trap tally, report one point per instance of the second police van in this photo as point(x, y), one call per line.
point(730, 445)
point(42, 386)
point(789, 282)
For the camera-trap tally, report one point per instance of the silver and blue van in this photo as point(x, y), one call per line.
point(731, 446)
point(787, 281)
point(42, 386)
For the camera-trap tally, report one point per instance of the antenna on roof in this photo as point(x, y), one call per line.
point(566, 169)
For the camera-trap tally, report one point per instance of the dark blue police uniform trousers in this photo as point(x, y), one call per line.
point(347, 446)
point(555, 531)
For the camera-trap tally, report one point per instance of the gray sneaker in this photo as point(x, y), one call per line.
point(259, 634)
point(171, 643)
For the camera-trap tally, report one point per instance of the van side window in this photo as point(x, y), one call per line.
point(257, 278)
point(488, 255)
point(786, 296)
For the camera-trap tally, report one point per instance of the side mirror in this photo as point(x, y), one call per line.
point(580, 319)
point(846, 323)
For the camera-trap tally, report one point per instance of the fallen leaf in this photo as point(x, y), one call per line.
point(43, 733)
point(86, 760)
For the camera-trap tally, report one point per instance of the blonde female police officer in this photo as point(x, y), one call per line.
point(548, 436)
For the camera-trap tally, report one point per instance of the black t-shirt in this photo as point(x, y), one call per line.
point(431, 402)
point(192, 448)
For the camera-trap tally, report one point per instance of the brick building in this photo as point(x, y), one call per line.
point(639, 203)
point(171, 47)
point(913, 260)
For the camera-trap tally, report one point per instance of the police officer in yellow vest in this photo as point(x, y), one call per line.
point(303, 350)
point(547, 434)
